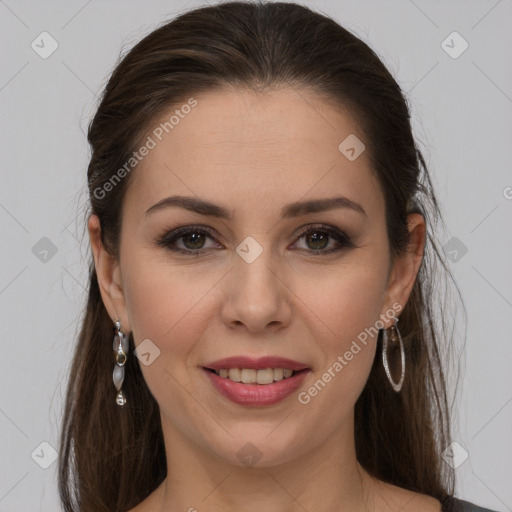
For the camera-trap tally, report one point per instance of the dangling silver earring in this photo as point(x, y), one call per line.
point(385, 342)
point(120, 347)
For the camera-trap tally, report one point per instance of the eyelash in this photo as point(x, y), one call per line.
point(168, 238)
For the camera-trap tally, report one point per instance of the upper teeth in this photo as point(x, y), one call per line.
point(251, 376)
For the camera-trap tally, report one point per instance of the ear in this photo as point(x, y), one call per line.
point(405, 268)
point(109, 276)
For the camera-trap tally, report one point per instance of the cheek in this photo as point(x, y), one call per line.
point(166, 306)
point(343, 311)
point(345, 300)
point(171, 306)
point(163, 299)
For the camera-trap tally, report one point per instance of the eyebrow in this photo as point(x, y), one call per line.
point(295, 209)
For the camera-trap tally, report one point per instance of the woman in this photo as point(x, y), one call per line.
point(262, 244)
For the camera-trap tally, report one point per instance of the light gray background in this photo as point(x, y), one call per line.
point(462, 113)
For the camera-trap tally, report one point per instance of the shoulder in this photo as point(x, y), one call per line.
point(389, 498)
point(466, 506)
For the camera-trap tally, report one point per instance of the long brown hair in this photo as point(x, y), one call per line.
point(111, 458)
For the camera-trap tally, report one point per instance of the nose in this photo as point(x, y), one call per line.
point(257, 296)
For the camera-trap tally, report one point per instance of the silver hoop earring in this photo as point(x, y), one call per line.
point(120, 347)
point(385, 342)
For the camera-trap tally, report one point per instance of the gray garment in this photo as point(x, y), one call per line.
point(466, 506)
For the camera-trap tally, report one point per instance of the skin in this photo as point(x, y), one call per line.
point(253, 153)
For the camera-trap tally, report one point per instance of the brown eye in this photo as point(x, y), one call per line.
point(192, 240)
point(317, 240)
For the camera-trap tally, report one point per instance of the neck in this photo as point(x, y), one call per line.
point(327, 477)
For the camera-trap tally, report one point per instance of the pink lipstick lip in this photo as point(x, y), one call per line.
point(260, 363)
point(256, 395)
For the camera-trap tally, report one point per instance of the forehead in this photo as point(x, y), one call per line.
point(277, 146)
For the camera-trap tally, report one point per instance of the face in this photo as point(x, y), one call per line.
point(268, 277)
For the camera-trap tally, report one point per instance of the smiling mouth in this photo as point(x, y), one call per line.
point(252, 376)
